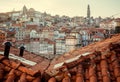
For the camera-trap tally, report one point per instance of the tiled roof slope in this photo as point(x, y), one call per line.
point(42, 63)
point(11, 71)
point(101, 65)
point(98, 46)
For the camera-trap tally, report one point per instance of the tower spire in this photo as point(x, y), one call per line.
point(88, 11)
point(88, 15)
point(24, 10)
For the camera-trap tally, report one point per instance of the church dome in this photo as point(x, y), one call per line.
point(31, 10)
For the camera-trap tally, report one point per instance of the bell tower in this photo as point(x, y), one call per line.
point(24, 11)
point(88, 11)
point(88, 15)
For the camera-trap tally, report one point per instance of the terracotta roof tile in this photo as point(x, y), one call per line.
point(11, 76)
point(1, 71)
point(102, 64)
point(52, 79)
point(11, 71)
point(23, 78)
point(92, 71)
point(18, 73)
point(38, 79)
point(106, 79)
point(79, 79)
point(66, 79)
point(41, 63)
point(93, 79)
point(118, 79)
point(7, 68)
point(25, 70)
point(98, 66)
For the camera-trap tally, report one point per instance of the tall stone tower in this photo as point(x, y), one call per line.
point(24, 13)
point(24, 10)
point(88, 14)
point(88, 11)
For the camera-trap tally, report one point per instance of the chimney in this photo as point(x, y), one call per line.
point(54, 48)
point(7, 49)
point(21, 50)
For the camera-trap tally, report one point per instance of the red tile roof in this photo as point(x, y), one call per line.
point(101, 65)
point(41, 65)
point(17, 25)
point(31, 27)
point(49, 41)
point(98, 46)
point(95, 67)
point(10, 71)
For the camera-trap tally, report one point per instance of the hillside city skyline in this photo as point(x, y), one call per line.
point(69, 8)
point(60, 41)
point(51, 35)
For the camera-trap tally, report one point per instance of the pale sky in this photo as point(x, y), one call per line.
point(103, 8)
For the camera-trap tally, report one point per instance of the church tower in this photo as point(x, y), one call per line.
point(24, 13)
point(88, 14)
point(88, 11)
point(24, 10)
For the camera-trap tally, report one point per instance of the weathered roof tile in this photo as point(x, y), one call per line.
point(11, 71)
point(52, 79)
point(11, 76)
point(23, 78)
point(99, 66)
point(102, 64)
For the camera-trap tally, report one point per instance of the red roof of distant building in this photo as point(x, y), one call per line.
point(17, 25)
point(49, 41)
point(97, 62)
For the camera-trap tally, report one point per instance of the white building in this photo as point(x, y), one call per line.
point(70, 42)
point(60, 46)
point(47, 32)
point(34, 34)
point(85, 37)
point(20, 34)
point(34, 46)
point(77, 35)
point(15, 15)
point(47, 48)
